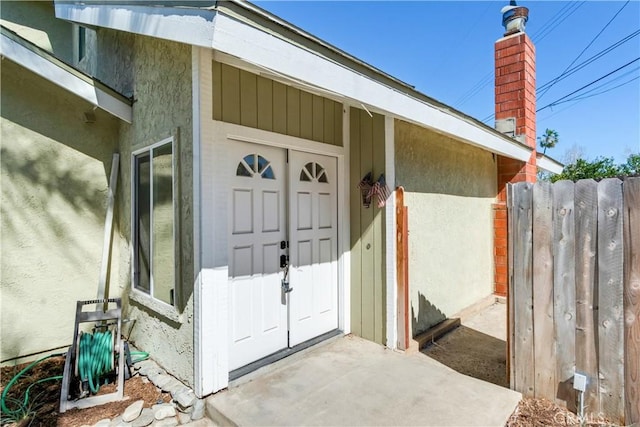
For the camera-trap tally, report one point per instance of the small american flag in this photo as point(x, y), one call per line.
point(382, 191)
point(365, 187)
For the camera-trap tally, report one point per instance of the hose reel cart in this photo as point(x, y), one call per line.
point(94, 357)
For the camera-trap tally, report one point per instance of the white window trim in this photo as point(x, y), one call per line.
point(147, 299)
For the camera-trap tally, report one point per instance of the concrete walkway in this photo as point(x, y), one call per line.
point(353, 382)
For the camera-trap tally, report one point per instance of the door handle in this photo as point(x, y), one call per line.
point(284, 261)
point(286, 288)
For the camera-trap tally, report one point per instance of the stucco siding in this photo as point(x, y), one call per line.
point(449, 190)
point(158, 75)
point(55, 170)
point(34, 21)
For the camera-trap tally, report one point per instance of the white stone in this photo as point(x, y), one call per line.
point(145, 418)
point(172, 386)
point(164, 410)
point(133, 411)
point(162, 380)
point(166, 422)
point(184, 418)
point(185, 398)
point(118, 422)
point(103, 423)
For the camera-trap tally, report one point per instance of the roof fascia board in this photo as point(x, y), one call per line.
point(243, 41)
point(212, 29)
point(548, 164)
point(46, 69)
point(185, 25)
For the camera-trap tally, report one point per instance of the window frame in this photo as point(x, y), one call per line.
point(79, 43)
point(140, 295)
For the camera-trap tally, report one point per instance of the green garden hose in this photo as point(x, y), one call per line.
point(142, 355)
point(22, 409)
point(95, 358)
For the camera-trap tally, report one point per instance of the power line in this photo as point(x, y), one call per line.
point(588, 61)
point(481, 84)
point(587, 85)
point(550, 22)
point(560, 16)
point(582, 65)
point(585, 96)
point(578, 99)
point(583, 50)
point(557, 22)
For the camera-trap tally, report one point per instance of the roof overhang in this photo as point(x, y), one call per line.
point(211, 28)
point(21, 52)
point(549, 164)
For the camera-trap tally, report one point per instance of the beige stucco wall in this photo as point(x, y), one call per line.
point(449, 190)
point(158, 74)
point(34, 21)
point(54, 173)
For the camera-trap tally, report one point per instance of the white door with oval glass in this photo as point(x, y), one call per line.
point(282, 249)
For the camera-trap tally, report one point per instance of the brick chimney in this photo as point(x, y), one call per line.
point(515, 109)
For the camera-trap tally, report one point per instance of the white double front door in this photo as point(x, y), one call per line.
point(282, 249)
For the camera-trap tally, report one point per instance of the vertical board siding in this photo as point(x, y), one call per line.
point(229, 95)
point(247, 99)
point(367, 231)
point(564, 281)
point(523, 288)
point(632, 300)
point(306, 115)
point(379, 258)
point(279, 108)
point(543, 304)
point(577, 307)
point(355, 203)
point(265, 105)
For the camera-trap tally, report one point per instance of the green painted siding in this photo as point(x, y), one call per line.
point(247, 99)
point(367, 229)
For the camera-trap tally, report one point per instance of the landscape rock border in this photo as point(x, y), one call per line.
point(185, 407)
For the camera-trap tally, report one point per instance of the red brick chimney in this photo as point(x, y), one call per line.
point(515, 99)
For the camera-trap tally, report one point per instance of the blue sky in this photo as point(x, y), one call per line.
point(445, 49)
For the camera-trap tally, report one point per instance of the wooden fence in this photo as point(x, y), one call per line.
point(574, 293)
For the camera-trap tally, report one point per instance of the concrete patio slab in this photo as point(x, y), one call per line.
point(354, 382)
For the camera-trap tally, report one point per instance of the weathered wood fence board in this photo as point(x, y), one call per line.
point(586, 199)
point(632, 299)
point(522, 262)
point(544, 355)
point(610, 324)
point(574, 302)
point(564, 278)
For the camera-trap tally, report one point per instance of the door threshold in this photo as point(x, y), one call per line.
point(240, 375)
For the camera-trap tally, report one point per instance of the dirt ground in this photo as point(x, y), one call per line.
point(44, 399)
point(482, 356)
point(472, 353)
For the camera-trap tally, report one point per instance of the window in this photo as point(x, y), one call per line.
point(313, 172)
point(79, 43)
point(153, 222)
point(254, 164)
